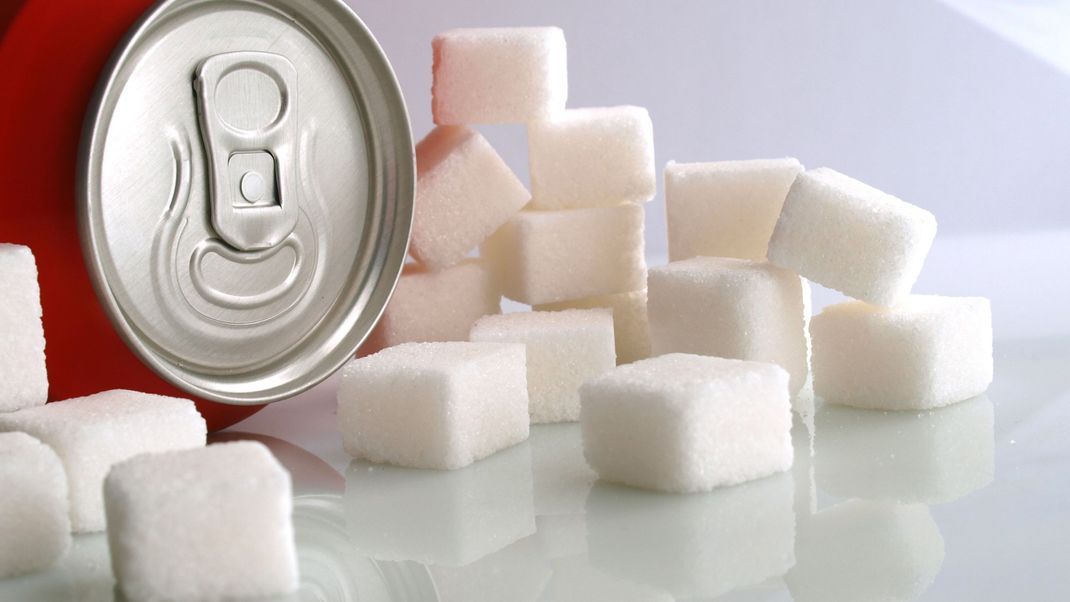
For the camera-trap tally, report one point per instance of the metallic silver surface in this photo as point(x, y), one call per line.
point(245, 247)
point(247, 104)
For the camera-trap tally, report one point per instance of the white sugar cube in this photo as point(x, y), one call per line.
point(437, 306)
point(631, 331)
point(22, 358)
point(851, 237)
point(498, 75)
point(464, 192)
point(550, 256)
point(434, 405)
point(683, 423)
point(592, 158)
point(92, 433)
point(930, 457)
point(564, 350)
point(926, 352)
point(35, 528)
point(865, 550)
point(727, 208)
point(211, 523)
point(727, 307)
point(694, 546)
point(440, 518)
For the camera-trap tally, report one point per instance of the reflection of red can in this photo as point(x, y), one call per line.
point(51, 57)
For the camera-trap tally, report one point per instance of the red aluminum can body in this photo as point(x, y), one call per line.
point(51, 55)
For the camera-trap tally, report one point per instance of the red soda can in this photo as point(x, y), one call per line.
point(218, 193)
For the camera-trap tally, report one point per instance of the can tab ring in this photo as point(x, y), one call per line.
point(247, 113)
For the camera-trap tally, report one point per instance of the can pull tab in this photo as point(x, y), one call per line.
point(248, 119)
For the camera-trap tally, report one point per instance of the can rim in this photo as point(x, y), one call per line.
point(394, 250)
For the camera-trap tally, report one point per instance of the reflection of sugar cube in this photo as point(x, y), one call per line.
point(436, 517)
point(930, 457)
point(699, 545)
point(864, 550)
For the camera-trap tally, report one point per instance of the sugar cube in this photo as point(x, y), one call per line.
point(440, 518)
point(434, 405)
point(683, 423)
point(851, 237)
point(727, 307)
point(866, 550)
point(210, 523)
point(926, 352)
point(727, 208)
point(550, 256)
point(592, 158)
point(35, 528)
point(561, 535)
point(631, 331)
point(930, 458)
point(22, 359)
point(92, 433)
point(464, 192)
point(564, 349)
point(498, 75)
point(437, 306)
point(694, 546)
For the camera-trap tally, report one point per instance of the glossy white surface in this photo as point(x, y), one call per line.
point(964, 503)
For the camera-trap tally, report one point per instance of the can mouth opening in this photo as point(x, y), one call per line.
point(257, 313)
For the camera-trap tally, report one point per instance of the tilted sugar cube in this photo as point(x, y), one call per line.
point(592, 158)
point(437, 306)
point(434, 405)
point(866, 550)
point(930, 458)
point(851, 237)
point(498, 75)
point(464, 192)
point(35, 528)
point(926, 352)
point(550, 256)
point(22, 358)
point(727, 208)
point(564, 349)
point(213, 523)
point(631, 331)
point(683, 423)
point(726, 307)
point(476, 511)
point(694, 546)
point(92, 433)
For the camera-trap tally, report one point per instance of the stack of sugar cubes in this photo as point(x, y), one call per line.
point(470, 379)
point(135, 465)
point(741, 236)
